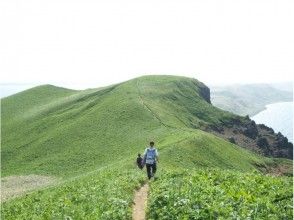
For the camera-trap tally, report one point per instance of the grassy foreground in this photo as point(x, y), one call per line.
point(177, 194)
point(220, 194)
point(105, 194)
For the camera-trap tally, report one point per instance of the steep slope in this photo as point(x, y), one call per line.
point(184, 102)
point(247, 99)
point(180, 101)
point(64, 132)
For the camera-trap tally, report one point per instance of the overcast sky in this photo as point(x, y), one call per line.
point(94, 43)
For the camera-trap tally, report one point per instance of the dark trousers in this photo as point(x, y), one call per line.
point(151, 170)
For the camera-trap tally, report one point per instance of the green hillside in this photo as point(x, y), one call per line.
point(89, 140)
point(248, 99)
point(65, 132)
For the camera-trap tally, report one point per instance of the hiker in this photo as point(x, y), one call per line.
point(150, 159)
point(140, 162)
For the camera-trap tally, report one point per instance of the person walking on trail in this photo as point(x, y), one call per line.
point(140, 163)
point(150, 160)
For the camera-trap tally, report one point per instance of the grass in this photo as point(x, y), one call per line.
point(220, 194)
point(89, 139)
point(106, 194)
point(178, 193)
point(202, 150)
point(54, 131)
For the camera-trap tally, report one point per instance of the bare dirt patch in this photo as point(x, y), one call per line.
point(140, 201)
point(13, 186)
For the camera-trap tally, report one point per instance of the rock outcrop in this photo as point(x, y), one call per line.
point(204, 92)
point(256, 137)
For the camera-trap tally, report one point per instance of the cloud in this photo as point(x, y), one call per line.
point(104, 42)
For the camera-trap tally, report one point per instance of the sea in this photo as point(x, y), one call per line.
point(278, 116)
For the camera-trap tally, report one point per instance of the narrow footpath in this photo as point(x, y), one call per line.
point(140, 202)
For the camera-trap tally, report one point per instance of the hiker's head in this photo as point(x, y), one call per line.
point(139, 155)
point(151, 144)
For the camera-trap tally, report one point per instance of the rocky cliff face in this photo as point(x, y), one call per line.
point(256, 137)
point(204, 92)
point(246, 133)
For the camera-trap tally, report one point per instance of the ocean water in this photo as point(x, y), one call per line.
point(278, 116)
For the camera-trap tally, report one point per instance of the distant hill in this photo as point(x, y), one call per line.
point(284, 86)
point(249, 99)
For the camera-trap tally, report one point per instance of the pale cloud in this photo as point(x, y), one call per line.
point(96, 43)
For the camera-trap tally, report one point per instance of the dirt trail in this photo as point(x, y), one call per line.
point(140, 202)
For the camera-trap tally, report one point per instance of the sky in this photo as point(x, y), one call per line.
point(92, 43)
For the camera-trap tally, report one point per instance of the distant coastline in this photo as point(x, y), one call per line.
point(250, 99)
point(269, 105)
point(278, 116)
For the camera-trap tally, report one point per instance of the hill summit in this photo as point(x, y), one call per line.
point(59, 131)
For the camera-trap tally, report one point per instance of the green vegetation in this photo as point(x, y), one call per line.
point(89, 139)
point(248, 99)
point(106, 194)
point(54, 131)
point(202, 150)
point(178, 194)
point(220, 194)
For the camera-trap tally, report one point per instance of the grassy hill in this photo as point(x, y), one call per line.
point(89, 139)
point(62, 132)
point(248, 99)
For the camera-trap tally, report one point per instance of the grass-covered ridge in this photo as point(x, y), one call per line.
point(89, 140)
point(62, 132)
